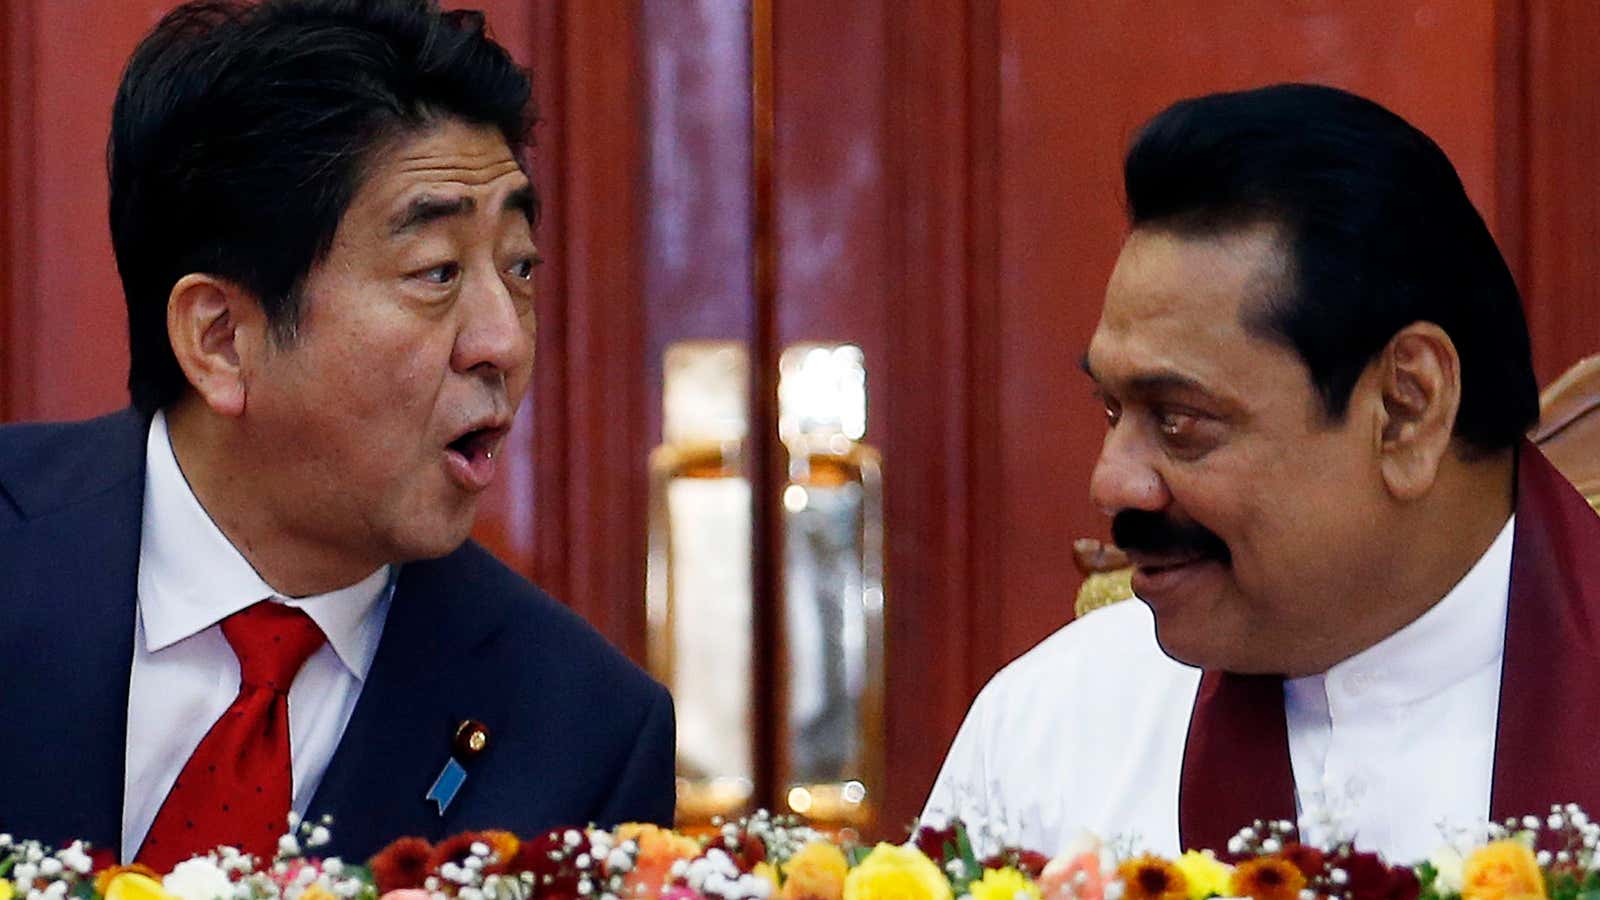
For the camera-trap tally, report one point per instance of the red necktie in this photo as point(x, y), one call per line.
point(236, 787)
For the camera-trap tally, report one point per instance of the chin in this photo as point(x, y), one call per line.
point(1193, 644)
point(431, 543)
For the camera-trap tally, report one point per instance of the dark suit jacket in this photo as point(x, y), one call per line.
point(577, 732)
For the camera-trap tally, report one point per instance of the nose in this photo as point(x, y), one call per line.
point(495, 337)
point(1125, 476)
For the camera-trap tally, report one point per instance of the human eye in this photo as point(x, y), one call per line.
point(441, 274)
point(523, 267)
point(1186, 433)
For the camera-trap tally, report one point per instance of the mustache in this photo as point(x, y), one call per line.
point(1156, 534)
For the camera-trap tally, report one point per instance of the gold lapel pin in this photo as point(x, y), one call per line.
point(470, 740)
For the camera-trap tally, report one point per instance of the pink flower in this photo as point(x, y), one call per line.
point(673, 893)
point(407, 894)
point(1075, 877)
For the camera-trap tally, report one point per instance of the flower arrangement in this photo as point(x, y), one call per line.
point(763, 857)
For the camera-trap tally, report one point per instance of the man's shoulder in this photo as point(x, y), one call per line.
point(1109, 655)
point(521, 624)
point(46, 463)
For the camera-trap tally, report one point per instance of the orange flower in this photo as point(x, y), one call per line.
point(658, 850)
point(816, 872)
point(504, 845)
point(102, 878)
point(1152, 878)
point(402, 864)
point(1267, 878)
point(1502, 870)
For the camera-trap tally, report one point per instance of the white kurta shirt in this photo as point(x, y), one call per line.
point(184, 673)
point(1393, 747)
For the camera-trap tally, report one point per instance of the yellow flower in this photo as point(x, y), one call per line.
point(1503, 870)
point(133, 886)
point(1207, 875)
point(5, 889)
point(1152, 878)
point(317, 892)
point(896, 873)
point(104, 877)
point(766, 872)
point(1003, 884)
point(816, 872)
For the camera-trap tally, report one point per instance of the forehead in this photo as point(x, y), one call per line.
point(448, 160)
point(1174, 306)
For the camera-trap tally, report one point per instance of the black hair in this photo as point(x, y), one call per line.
point(1378, 233)
point(241, 132)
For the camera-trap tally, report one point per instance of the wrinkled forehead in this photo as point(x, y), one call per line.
point(1180, 303)
point(437, 173)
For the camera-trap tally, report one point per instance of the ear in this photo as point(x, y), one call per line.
point(1419, 377)
point(210, 323)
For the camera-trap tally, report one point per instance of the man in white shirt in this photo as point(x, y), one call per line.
point(253, 592)
point(1367, 602)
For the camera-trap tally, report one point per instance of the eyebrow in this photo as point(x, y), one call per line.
point(426, 209)
point(1151, 383)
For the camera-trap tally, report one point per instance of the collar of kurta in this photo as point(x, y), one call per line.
point(1236, 766)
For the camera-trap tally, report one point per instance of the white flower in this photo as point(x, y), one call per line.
point(288, 845)
point(319, 835)
point(25, 871)
point(1530, 822)
point(75, 859)
point(333, 866)
point(198, 879)
point(1448, 863)
point(1271, 845)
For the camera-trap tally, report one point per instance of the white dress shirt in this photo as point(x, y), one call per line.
point(1393, 747)
point(184, 672)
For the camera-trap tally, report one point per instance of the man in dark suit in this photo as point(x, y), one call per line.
point(252, 593)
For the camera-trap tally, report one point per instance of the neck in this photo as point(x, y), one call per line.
point(244, 498)
point(1431, 546)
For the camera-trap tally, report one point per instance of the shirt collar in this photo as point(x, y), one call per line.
point(192, 577)
point(1457, 637)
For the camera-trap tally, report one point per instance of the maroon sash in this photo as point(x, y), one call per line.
point(1236, 763)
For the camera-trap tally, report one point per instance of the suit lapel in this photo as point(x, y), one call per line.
point(1550, 686)
point(67, 644)
point(417, 692)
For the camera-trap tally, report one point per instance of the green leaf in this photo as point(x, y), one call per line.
point(855, 854)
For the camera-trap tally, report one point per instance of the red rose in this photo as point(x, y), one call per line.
point(936, 844)
point(1309, 860)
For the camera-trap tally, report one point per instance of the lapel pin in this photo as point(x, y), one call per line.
point(470, 740)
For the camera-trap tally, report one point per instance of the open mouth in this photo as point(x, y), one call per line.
point(1157, 567)
point(470, 458)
